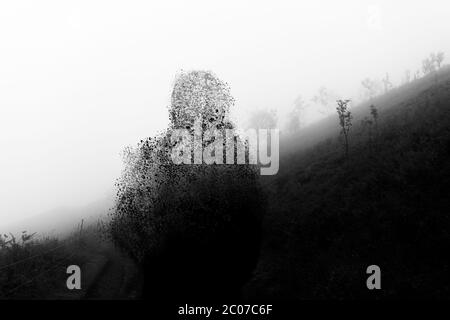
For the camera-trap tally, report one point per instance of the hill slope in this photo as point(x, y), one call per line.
point(61, 221)
point(388, 204)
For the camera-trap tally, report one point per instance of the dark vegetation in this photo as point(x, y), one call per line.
point(329, 218)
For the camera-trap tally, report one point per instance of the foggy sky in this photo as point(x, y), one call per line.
point(80, 80)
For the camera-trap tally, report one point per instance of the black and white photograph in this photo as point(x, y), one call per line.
point(224, 158)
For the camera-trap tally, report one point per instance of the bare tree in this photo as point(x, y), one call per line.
point(325, 99)
point(367, 124)
point(371, 87)
point(433, 58)
point(439, 59)
point(417, 75)
point(294, 116)
point(407, 77)
point(432, 64)
point(428, 65)
point(345, 121)
point(374, 114)
point(387, 83)
point(263, 119)
point(370, 125)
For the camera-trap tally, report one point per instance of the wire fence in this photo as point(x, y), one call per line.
point(15, 263)
point(10, 292)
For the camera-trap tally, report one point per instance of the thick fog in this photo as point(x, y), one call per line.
point(80, 80)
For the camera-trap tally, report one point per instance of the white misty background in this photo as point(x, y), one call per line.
point(79, 80)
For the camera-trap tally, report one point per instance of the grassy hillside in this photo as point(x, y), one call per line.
point(60, 222)
point(388, 204)
point(34, 267)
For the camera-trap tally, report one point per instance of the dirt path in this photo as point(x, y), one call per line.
point(118, 278)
